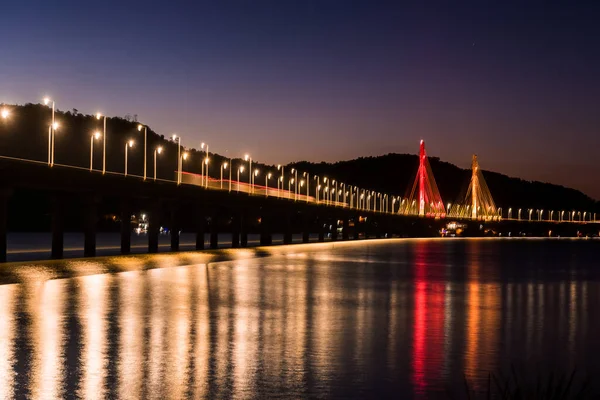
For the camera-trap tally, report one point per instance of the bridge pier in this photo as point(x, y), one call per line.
point(4, 197)
point(125, 227)
point(235, 230)
point(214, 229)
point(174, 228)
point(321, 228)
point(334, 232)
point(90, 221)
point(266, 234)
point(57, 227)
point(154, 226)
point(345, 228)
point(377, 228)
point(306, 228)
point(287, 228)
point(200, 222)
point(356, 230)
point(244, 229)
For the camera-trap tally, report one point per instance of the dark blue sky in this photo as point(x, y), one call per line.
point(327, 80)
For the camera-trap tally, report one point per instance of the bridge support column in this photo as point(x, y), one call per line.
point(334, 230)
point(321, 228)
point(4, 197)
point(200, 222)
point(306, 228)
point(125, 227)
point(214, 230)
point(154, 226)
point(174, 228)
point(235, 230)
point(57, 227)
point(377, 228)
point(287, 229)
point(266, 234)
point(345, 229)
point(90, 221)
point(244, 229)
point(356, 230)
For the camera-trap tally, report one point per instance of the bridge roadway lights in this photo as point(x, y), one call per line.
point(90, 221)
point(4, 197)
point(57, 226)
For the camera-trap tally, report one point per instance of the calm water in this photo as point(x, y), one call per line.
point(393, 319)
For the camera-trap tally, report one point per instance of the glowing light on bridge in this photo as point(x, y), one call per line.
point(478, 202)
point(424, 198)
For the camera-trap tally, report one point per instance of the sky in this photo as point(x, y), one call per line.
point(284, 80)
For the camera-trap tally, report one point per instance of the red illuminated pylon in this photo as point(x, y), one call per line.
point(429, 200)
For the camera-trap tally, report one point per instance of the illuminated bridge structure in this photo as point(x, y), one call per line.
point(200, 203)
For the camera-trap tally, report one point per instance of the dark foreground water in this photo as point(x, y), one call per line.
point(388, 319)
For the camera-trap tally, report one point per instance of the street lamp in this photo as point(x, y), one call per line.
point(4, 113)
point(295, 172)
point(318, 187)
point(178, 138)
point(158, 150)
point(202, 145)
point(267, 177)
point(223, 166)
point(290, 183)
point(240, 169)
point(98, 116)
point(250, 178)
point(307, 176)
point(128, 144)
point(51, 133)
point(140, 126)
point(96, 136)
point(184, 157)
point(206, 160)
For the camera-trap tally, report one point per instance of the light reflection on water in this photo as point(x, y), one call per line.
point(354, 321)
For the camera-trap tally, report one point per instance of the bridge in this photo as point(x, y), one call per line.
point(281, 200)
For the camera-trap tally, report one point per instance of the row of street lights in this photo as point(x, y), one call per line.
point(352, 196)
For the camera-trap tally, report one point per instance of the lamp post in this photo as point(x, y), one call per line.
point(307, 176)
point(51, 131)
point(184, 157)
point(325, 197)
point(280, 167)
point(240, 169)
point(256, 171)
point(249, 159)
point(98, 116)
point(158, 150)
point(267, 177)
point(178, 138)
point(530, 211)
point(202, 145)
point(4, 113)
point(140, 126)
point(206, 160)
point(318, 188)
point(230, 167)
point(290, 183)
point(223, 166)
point(128, 144)
point(96, 136)
point(295, 172)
